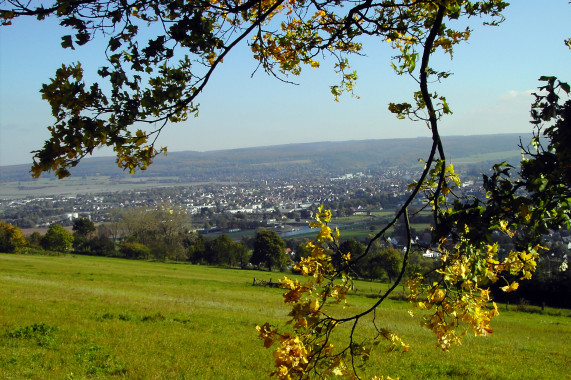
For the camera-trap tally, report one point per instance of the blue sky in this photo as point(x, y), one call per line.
point(494, 74)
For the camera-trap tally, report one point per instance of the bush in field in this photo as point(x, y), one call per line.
point(389, 260)
point(360, 266)
point(40, 332)
point(132, 250)
point(11, 238)
point(101, 245)
point(35, 240)
point(380, 263)
point(195, 245)
point(57, 239)
point(218, 251)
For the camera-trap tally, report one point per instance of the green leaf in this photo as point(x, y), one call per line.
point(82, 38)
point(67, 42)
point(114, 44)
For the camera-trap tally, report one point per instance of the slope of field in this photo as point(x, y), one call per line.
point(85, 317)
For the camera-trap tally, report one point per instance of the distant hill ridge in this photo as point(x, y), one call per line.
point(303, 159)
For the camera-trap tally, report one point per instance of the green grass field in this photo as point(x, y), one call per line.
point(76, 317)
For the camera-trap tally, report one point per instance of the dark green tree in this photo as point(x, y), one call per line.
point(57, 239)
point(35, 239)
point(82, 229)
point(356, 249)
point(221, 251)
point(196, 248)
point(102, 245)
point(242, 254)
point(301, 251)
point(390, 260)
point(269, 250)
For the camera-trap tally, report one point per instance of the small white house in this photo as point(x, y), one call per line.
point(431, 254)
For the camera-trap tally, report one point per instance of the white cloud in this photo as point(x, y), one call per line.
point(514, 94)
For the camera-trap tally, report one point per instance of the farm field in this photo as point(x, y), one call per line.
point(79, 317)
point(491, 157)
point(47, 187)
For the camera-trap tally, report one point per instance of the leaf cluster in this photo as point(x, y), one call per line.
point(11, 238)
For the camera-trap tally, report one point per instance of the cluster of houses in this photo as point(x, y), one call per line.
point(275, 197)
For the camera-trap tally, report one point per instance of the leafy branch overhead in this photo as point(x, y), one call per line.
point(161, 54)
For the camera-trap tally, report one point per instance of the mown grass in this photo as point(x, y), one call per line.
point(88, 317)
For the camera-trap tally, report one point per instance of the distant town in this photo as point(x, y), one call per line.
point(237, 192)
point(216, 205)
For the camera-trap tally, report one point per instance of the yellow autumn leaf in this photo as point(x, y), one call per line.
point(314, 305)
point(512, 287)
point(438, 295)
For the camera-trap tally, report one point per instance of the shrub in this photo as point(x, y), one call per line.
point(11, 238)
point(58, 239)
point(40, 332)
point(134, 250)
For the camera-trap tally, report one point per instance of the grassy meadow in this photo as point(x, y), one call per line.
point(78, 317)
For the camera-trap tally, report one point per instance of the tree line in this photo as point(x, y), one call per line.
point(165, 234)
point(151, 234)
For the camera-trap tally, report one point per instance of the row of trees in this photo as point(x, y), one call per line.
point(56, 238)
point(161, 235)
point(267, 250)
